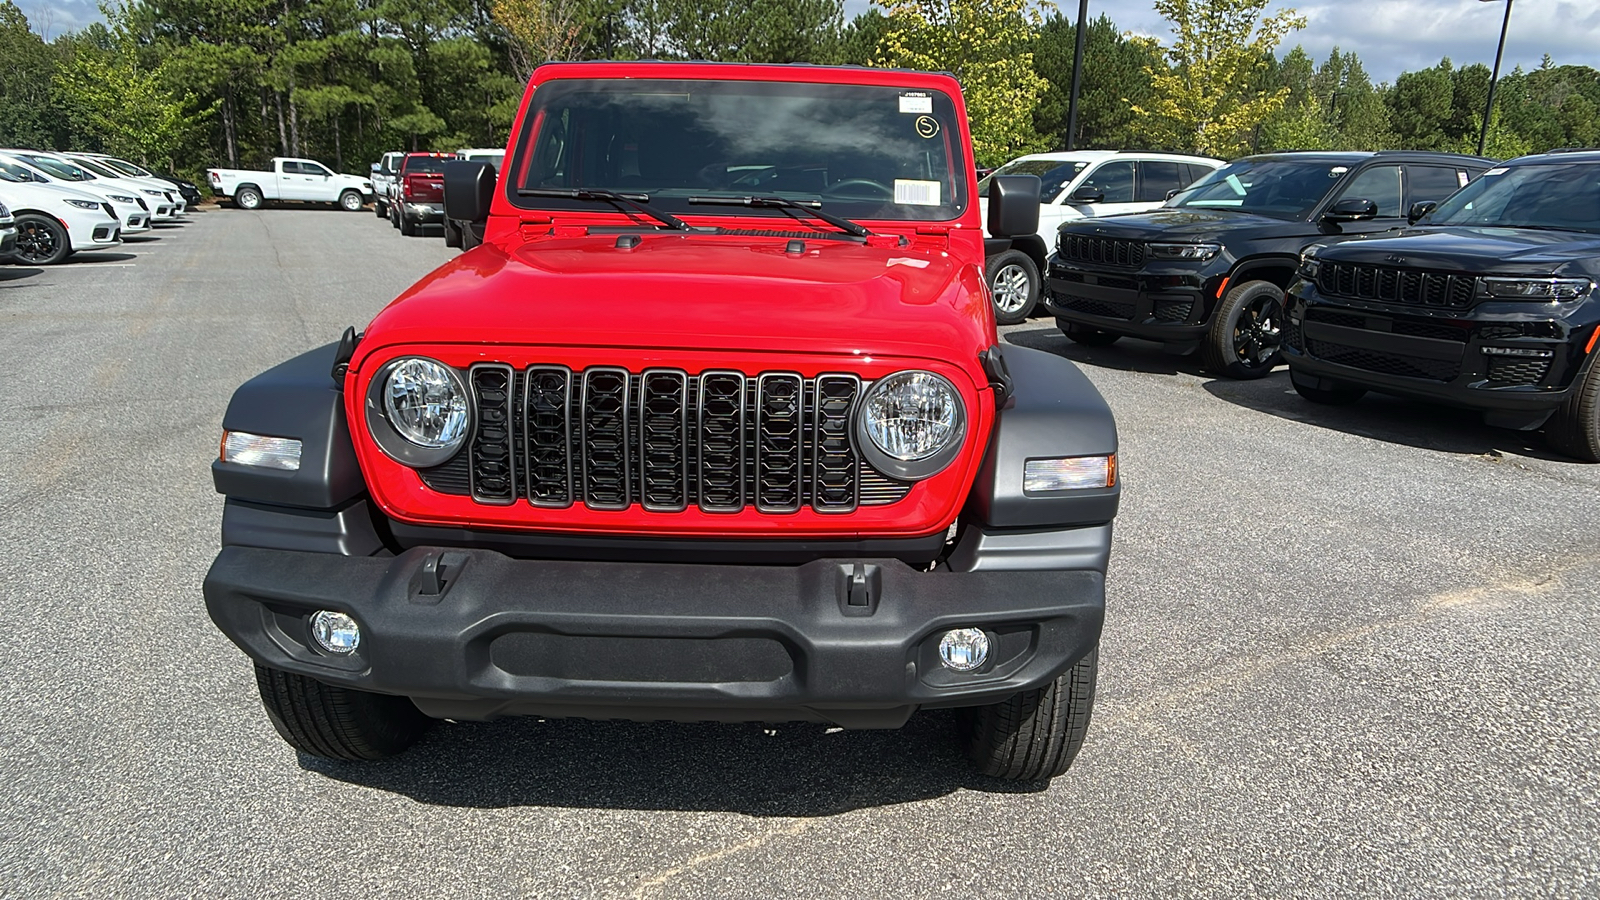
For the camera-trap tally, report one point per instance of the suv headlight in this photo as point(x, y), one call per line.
point(911, 424)
point(153, 192)
point(1533, 288)
point(1196, 252)
point(1310, 266)
point(418, 411)
point(123, 198)
point(82, 204)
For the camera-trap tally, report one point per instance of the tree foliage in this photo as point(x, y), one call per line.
point(1116, 79)
point(1212, 99)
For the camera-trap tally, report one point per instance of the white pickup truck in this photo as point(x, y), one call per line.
point(304, 180)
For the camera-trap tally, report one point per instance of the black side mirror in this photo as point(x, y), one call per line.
point(1420, 209)
point(1351, 210)
point(468, 190)
point(1087, 195)
point(1014, 205)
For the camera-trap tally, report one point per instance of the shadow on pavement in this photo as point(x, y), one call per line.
point(1126, 355)
point(796, 769)
point(141, 238)
point(11, 274)
point(99, 256)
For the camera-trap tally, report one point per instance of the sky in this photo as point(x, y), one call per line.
point(1391, 36)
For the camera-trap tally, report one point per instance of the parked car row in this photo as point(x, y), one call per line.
point(1433, 276)
point(59, 204)
point(410, 191)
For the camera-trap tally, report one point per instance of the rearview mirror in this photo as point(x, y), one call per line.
point(1087, 195)
point(1351, 210)
point(468, 190)
point(1014, 205)
point(1420, 209)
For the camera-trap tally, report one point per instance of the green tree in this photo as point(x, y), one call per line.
point(1420, 105)
point(29, 114)
point(1211, 99)
point(989, 46)
point(1116, 78)
point(125, 106)
point(858, 44)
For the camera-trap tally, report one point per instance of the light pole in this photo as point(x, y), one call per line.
point(1488, 109)
point(1077, 73)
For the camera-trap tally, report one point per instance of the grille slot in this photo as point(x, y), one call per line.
point(721, 432)
point(834, 467)
point(605, 438)
point(1405, 286)
point(1105, 251)
point(664, 440)
point(1511, 370)
point(1173, 310)
point(547, 435)
point(1104, 308)
point(780, 408)
point(492, 471)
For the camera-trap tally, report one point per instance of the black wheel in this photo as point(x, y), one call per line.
point(452, 233)
point(1089, 337)
point(1575, 427)
point(247, 198)
point(337, 722)
point(408, 225)
point(1340, 394)
point(380, 209)
point(351, 201)
point(394, 216)
point(1014, 283)
point(1246, 337)
point(1035, 734)
point(41, 241)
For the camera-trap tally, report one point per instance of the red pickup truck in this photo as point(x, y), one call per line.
point(799, 478)
point(418, 197)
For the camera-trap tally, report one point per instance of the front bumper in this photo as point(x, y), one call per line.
point(1446, 356)
point(503, 636)
point(8, 241)
point(423, 212)
point(1158, 302)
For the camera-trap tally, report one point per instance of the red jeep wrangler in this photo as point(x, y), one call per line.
point(714, 425)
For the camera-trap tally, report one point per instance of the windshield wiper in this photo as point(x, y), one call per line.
point(637, 201)
point(810, 207)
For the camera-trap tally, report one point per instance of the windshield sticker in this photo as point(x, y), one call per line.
point(1499, 170)
point(1461, 178)
point(916, 193)
point(916, 104)
point(1336, 171)
point(927, 126)
point(1235, 184)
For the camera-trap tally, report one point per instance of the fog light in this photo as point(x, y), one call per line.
point(335, 632)
point(964, 649)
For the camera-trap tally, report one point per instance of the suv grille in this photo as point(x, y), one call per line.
point(663, 439)
point(1384, 363)
point(1397, 285)
point(1105, 251)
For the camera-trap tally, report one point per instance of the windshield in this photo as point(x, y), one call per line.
point(863, 151)
point(1282, 189)
point(126, 168)
point(1054, 174)
point(10, 171)
point(59, 169)
point(98, 169)
point(1564, 197)
point(426, 164)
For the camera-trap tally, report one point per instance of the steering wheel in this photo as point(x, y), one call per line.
point(859, 189)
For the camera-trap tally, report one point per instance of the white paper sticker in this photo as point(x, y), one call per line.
point(916, 193)
point(1461, 177)
point(920, 104)
point(1495, 171)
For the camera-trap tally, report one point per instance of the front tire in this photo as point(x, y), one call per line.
point(1014, 285)
point(380, 209)
point(1035, 734)
point(351, 201)
point(337, 722)
point(408, 226)
point(1246, 339)
point(247, 198)
point(41, 241)
point(1575, 427)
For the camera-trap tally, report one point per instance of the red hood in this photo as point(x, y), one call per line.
point(700, 292)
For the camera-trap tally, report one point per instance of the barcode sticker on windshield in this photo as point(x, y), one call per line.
point(916, 193)
point(920, 104)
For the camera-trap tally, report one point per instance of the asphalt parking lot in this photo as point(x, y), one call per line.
point(1349, 653)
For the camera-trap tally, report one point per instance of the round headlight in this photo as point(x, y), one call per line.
point(418, 411)
point(913, 423)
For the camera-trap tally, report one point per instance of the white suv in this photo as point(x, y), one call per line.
point(1078, 184)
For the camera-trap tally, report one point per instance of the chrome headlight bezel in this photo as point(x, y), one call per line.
point(1183, 251)
point(911, 468)
point(391, 440)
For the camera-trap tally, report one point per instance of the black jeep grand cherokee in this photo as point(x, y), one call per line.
point(1208, 270)
point(1490, 303)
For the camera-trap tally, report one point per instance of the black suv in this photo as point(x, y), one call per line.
point(1488, 303)
point(1208, 270)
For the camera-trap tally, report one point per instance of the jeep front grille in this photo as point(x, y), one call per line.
point(1104, 251)
point(1406, 286)
point(665, 440)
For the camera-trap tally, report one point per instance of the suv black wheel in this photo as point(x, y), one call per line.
point(1035, 734)
point(337, 722)
point(380, 208)
point(1089, 337)
point(1014, 283)
point(1340, 394)
point(1245, 336)
point(1575, 427)
point(41, 241)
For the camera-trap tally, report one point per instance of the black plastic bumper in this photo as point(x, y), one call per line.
point(1155, 305)
point(848, 641)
